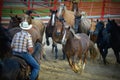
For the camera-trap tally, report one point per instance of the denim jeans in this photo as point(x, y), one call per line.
point(32, 62)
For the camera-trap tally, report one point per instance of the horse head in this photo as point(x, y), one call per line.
point(14, 21)
point(112, 25)
point(99, 27)
point(66, 35)
point(27, 18)
point(74, 6)
point(53, 17)
point(61, 11)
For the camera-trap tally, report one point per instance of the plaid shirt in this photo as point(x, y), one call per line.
point(21, 41)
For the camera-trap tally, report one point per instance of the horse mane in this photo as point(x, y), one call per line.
point(69, 17)
point(73, 33)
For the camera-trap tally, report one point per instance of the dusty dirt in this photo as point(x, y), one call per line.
point(60, 70)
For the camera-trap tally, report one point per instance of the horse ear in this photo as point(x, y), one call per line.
point(108, 20)
point(16, 16)
point(56, 11)
point(50, 10)
point(68, 27)
point(97, 20)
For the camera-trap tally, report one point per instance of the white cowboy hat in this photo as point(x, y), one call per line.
point(24, 25)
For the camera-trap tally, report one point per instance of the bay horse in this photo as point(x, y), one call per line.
point(75, 46)
point(83, 23)
point(51, 31)
point(114, 31)
point(12, 67)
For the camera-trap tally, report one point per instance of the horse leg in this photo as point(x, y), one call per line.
point(70, 62)
point(47, 40)
point(54, 45)
point(63, 54)
point(80, 63)
point(117, 56)
point(102, 53)
point(74, 64)
point(84, 60)
point(105, 51)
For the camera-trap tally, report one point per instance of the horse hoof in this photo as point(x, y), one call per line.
point(76, 71)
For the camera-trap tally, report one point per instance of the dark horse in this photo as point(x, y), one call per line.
point(13, 67)
point(114, 31)
point(75, 47)
point(52, 32)
point(102, 39)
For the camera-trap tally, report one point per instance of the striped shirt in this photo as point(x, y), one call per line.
point(21, 41)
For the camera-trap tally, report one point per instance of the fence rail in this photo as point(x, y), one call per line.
point(102, 8)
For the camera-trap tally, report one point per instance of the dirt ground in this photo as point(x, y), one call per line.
point(60, 70)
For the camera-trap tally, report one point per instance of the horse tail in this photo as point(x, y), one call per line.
point(93, 51)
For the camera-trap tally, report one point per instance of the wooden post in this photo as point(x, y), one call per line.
point(28, 4)
point(103, 10)
point(1, 6)
point(55, 5)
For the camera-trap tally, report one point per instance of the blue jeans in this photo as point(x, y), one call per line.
point(32, 62)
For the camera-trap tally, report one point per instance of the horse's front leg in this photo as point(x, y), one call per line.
point(47, 40)
point(84, 60)
point(54, 45)
point(117, 56)
point(63, 53)
point(105, 51)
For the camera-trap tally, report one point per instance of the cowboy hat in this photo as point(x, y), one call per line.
point(24, 25)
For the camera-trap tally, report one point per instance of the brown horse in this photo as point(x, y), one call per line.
point(75, 5)
point(14, 28)
point(92, 36)
point(52, 32)
point(37, 24)
point(12, 67)
point(76, 47)
point(69, 17)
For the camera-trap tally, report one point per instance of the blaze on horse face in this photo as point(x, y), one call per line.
point(61, 11)
point(53, 17)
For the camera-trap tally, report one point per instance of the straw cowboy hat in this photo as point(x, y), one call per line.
point(24, 25)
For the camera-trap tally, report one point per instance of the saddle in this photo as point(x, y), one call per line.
point(24, 67)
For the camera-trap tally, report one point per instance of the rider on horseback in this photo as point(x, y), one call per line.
point(22, 45)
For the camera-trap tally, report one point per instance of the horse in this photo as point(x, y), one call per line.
point(103, 39)
point(70, 16)
point(37, 24)
point(92, 36)
point(14, 28)
point(75, 5)
point(12, 67)
point(51, 31)
point(14, 22)
point(36, 32)
point(114, 31)
point(75, 46)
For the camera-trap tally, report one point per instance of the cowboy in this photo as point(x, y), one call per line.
point(22, 44)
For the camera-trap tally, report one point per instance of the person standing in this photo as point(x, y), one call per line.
point(22, 44)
